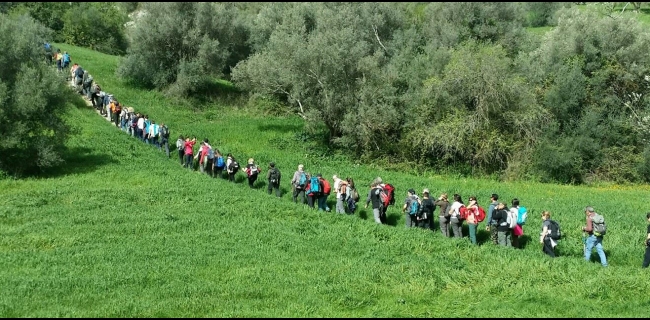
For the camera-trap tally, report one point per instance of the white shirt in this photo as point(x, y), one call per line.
point(141, 123)
point(337, 183)
point(454, 208)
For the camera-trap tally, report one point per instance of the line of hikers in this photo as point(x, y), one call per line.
point(506, 225)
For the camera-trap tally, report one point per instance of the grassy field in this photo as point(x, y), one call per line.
point(121, 231)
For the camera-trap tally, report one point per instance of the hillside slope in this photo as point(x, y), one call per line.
point(123, 232)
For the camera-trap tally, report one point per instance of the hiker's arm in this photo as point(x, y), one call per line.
point(543, 235)
point(589, 227)
point(368, 199)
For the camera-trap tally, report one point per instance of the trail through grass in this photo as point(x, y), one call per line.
point(123, 232)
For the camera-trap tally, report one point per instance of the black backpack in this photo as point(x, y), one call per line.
point(274, 175)
point(556, 233)
point(234, 166)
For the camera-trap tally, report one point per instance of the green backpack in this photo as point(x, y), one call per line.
point(599, 226)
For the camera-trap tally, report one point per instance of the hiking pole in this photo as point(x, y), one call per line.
point(584, 242)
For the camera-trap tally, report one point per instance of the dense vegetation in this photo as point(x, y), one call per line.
point(123, 232)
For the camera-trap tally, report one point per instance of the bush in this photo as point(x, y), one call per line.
point(97, 25)
point(32, 98)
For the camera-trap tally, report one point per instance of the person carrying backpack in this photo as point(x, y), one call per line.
point(164, 138)
point(502, 227)
point(180, 146)
point(427, 207)
point(491, 221)
point(202, 155)
point(455, 218)
point(252, 170)
point(646, 258)
point(340, 187)
point(518, 231)
point(377, 205)
point(324, 194)
point(443, 216)
point(299, 184)
point(273, 177)
point(219, 164)
point(550, 229)
point(232, 167)
point(188, 146)
point(596, 229)
point(352, 196)
point(48, 53)
point(312, 189)
point(411, 208)
point(473, 219)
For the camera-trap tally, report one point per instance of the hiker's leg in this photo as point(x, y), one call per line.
point(340, 208)
point(167, 148)
point(376, 215)
point(457, 228)
point(472, 232)
point(601, 251)
point(501, 237)
point(646, 259)
point(180, 156)
point(444, 226)
point(591, 240)
point(278, 192)
point(302, 195)
point(509, 238)
point(494, 235)
point(548, 248)
point(407, 220)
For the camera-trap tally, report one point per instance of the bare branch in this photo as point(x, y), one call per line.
point(374, 28)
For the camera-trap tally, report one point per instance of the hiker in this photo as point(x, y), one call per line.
point(312, 189)
point(444, 215)
point(59, 60)
point(375, 197)
point(324, 194)
point(252, 170)
point(48, 53)
point(518, 231)
point(502, 225)
point(411, 208)
point(455, 219)
point(219, 164)
point(117, 110)
point(202, 155)
point(188, 146)
point(233, 167)
point(78, 76)
point(65, 59)
point(340, 188)
point(145, 130)
point(427, 207)
point(646, 258)
point(273, 177)
point(352, 196)
point(389, 191)
point(545, 236)
point(180, 146)
point(208, 162)
point(595, 238)
point(299, 184)
point(94, 96)
point(164, 138)
point(124, 113)
point(87, 84)
point(472, 214)
point(492, 222)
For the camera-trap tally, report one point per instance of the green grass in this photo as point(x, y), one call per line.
point(123, 232)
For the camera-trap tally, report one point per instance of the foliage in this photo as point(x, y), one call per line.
point(33, 100)
point(97, 25)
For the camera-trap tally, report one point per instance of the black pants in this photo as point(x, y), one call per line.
point(298, 193)
point(218, 172)
point(311, 200)
point(231, 176)
point(275, 186)
point(646, 259)
point(548, 248)
point(251, 180)
point(181, 153)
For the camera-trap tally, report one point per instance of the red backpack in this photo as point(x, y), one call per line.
point(462, 212)
point(480, 215)
point(387, 194)
point(326, 187)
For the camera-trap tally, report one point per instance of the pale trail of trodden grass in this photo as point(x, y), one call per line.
point(98, 240)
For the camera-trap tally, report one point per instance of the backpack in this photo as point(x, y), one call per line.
point(210, 153)
point(522, 214)
point(343, 189)
point(599, 226)
point(234, 166)
point(164, 132)
point(66, 58)
point(480, 216)
point(462, 212)
point(415, 207)
point(314, 185)
point(253, 171)
point(355, 195)
point(390, 191)
point(385, 199)
point(326, 187)
point(48, 47)
point(220, 163)
point(512, 217)
point(302, 181)
point(273, 175)
point(556, 234)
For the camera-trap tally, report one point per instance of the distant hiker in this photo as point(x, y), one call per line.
point(456, 220)
point(502, 226)
point(324, 194)
point(492, 222)
point(427, 207)
point(180, 146)
point(188, 145)
point(252, 171)
point(232, 167)
point(78, 75)
point(124, 113)
point(444, 215)
point(387, 197)
point(352, 196)
point(116, 113)
point(299, 184)
point(375, 197)
point(59, 60)
point(202, 155)
point(145, 132)
point(474, 215)
point(340, 187)
point(164, 138)
point(595, 228)
point(545, 236)
point(518, 231)
point(219, 164)
point(65, 59)
point(273, 178)
point(411, 208)
point(312, 189)
point(48, 53)
point(646, 259)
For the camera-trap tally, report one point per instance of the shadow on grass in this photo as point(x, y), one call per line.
point(78, 161)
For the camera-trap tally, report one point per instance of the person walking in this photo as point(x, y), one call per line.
point(352, 196)
point(340, 187)
point(252, 170)
point(410, 219)
point(646, 258)
point(472, 218)
point(443, 216)
point(188, 146)
point(375, 197)
point(545, 236)
point(491, 221)
point(455, 218)
point(164, 138)
point(299, 184)
point(427, 207)
point(594, 239)
point(273, 177)
point(502, 227)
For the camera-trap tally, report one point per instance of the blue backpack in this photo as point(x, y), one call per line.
point(302, 181)
point(415, 207)
point(522, 215)
point(314, 185)
point(220, 163)
point(66, 58)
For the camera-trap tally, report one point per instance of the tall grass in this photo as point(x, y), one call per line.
point(123, 232)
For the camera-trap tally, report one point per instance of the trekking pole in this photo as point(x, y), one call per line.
point(584, 242)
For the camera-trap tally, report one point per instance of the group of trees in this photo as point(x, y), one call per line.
point(448, 85)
